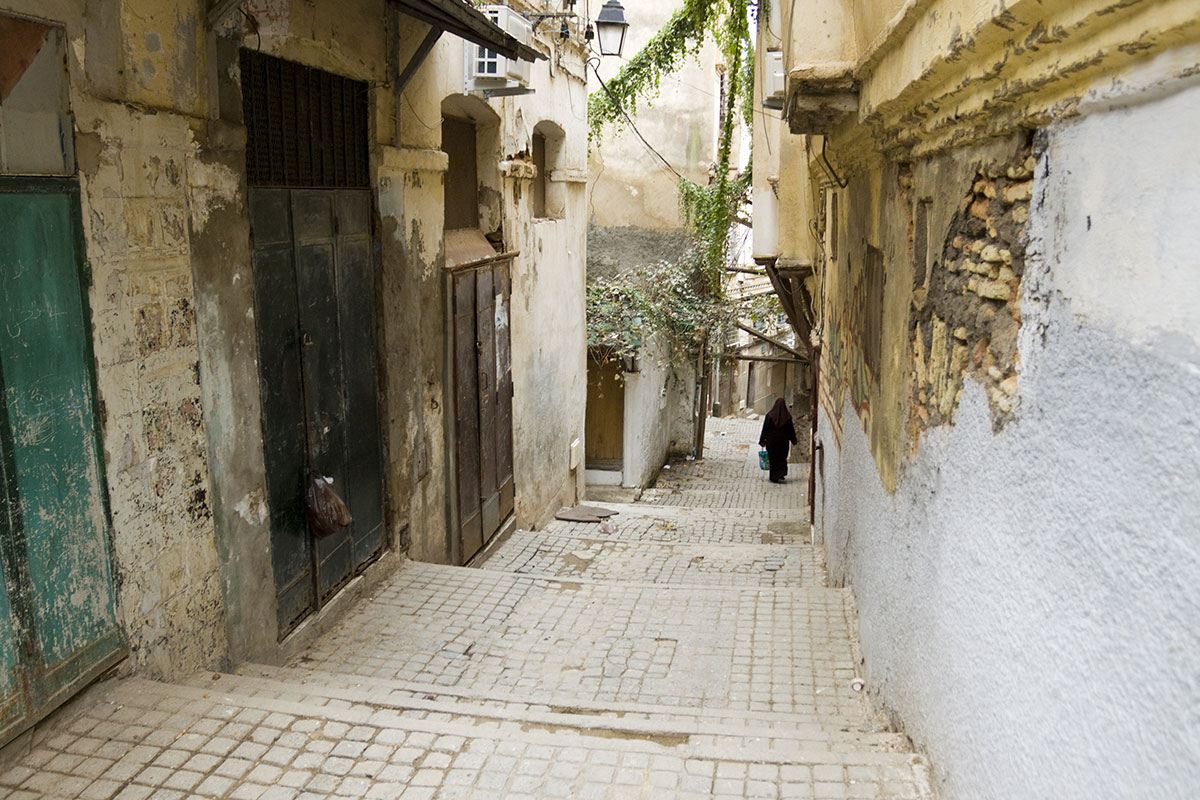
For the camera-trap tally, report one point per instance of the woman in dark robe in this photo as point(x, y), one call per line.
point(777, 433)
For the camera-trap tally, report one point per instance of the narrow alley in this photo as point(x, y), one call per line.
point(689, 647)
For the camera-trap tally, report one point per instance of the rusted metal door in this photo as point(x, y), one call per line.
point(57, 611)
point(483, 402)
point(315, 290)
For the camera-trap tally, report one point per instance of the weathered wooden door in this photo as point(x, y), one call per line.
point(483, 391)
point(57, 611)
point(315, 290)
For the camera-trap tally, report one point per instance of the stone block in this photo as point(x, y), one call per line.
point(985, 188)
point(991, 289)
point(1018, 192)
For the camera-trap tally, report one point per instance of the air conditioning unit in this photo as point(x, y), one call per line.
point(774, 77)
point(492, 73)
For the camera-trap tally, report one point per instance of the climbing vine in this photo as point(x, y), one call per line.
point(710, 210)
point(664, 301)
point(660, 301)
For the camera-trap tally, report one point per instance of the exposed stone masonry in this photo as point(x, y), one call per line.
point(967, 318)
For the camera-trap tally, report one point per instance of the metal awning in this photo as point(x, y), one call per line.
point(468, 22)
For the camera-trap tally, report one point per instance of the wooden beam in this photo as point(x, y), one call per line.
point(774, 359)
point(418, 58)
point(218, 10)
point(771, 340)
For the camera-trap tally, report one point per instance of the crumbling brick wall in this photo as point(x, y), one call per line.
point(967, 316)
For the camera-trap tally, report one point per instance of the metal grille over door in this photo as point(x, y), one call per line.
point(314, 275)
point(304, 126)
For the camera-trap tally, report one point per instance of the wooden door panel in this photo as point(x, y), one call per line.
point(363, 485)
point(315, 286)
point(321, 363)
point(277, 318)
point(356, 316)
point(466, 415)
point(485, 335)
point(502, 288)
point(604, 424)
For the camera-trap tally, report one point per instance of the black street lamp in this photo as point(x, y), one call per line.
point(610, 28)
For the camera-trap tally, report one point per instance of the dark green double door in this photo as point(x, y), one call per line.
point(57, 613)
point(315, 312)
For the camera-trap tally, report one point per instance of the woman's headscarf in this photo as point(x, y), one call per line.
point(779, 414)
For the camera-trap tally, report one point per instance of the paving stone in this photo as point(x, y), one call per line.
point(690, 650)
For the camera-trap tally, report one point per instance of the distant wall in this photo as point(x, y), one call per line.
point(633, 207)
point(614, 249)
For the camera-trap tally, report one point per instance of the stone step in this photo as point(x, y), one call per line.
point(768, 497)
point(579, 641)
point(718, 731)
point(139, 739)
point(611, 558)
point(656, 523)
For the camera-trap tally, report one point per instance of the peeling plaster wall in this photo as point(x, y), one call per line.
point(549, 358)
point(410, 205)
point(137, 101)
point(548, 307)
point(137, 219)
point(1028, 594)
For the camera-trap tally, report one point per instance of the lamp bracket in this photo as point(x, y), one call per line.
point(538, 19)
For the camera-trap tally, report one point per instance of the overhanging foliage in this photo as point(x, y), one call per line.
point(710, 210)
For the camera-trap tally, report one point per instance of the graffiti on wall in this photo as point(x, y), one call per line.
point(844, 367)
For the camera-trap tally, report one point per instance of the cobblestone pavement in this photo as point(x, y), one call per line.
point(728, 477)
point(690, 649)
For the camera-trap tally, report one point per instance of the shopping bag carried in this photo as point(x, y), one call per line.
point(764, 461)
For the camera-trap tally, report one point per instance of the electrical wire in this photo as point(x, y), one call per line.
point(254, 27)
point(617, 104)
point(416, 113)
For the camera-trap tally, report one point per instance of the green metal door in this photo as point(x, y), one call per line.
point(57, 619)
